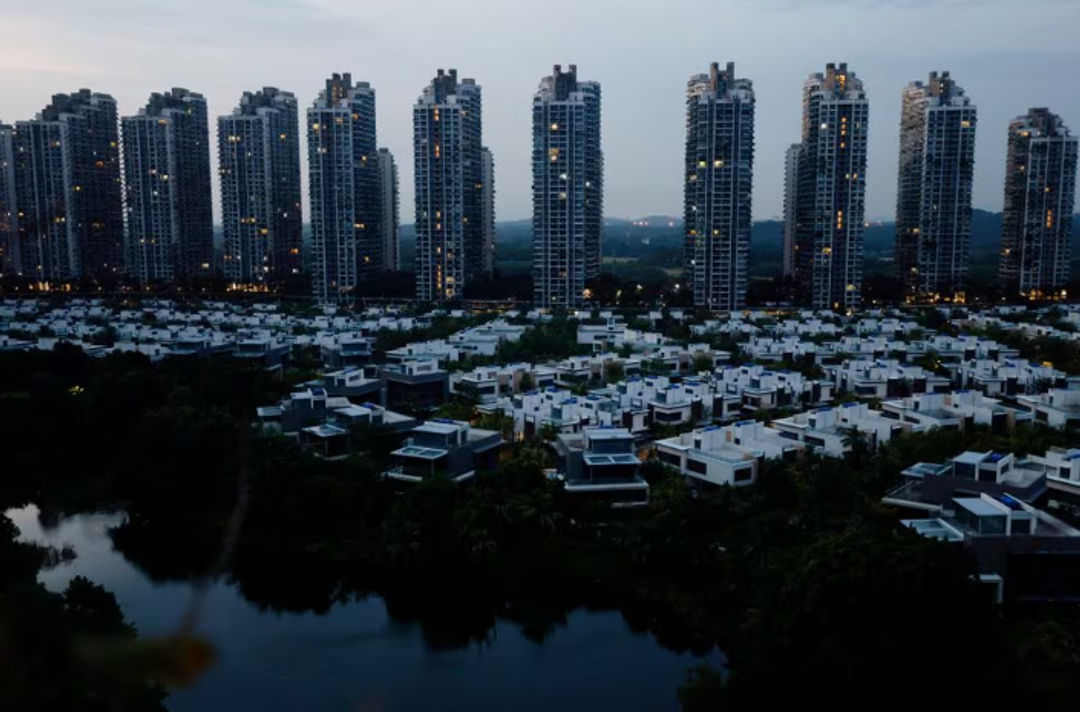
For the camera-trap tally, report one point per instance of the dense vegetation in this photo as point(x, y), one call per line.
point(805, 581)
point(63, 651)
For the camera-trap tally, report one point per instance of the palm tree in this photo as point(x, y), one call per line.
point(548, 432)
point(614, 372)
point(527, 382)
point(857, 444)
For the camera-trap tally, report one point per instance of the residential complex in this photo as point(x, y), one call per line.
point(933, 204)
point(567, 187)
point(1040, 189)
point(71, 209)
point(170, 228)
point(719, 181)
point(259, 164)
point(344, 188)
point(389, 217)
point(448, 162)
point(62, 185)
point(831, 189)
point(791, 204)
point(10, 254)
point(487, 210)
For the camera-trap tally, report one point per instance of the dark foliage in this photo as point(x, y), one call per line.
point(808, 584)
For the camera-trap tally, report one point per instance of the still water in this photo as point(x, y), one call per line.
point(355, 657)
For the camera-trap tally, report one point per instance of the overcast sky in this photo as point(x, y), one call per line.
point(1007, 54)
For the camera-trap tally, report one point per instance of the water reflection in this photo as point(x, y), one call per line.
point(363, 654)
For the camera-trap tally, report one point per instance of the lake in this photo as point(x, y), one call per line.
point(356, 657)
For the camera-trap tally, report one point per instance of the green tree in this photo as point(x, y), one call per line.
point(527, 382)
point(703, 363)
point(857, 446)
point(499, 422)
point(548, 432)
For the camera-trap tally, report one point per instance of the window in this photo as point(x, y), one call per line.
point(696, 466)
point(669, 458)
point(1021, 527)
point(992, 524)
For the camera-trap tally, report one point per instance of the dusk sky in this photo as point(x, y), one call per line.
point(1007, 55)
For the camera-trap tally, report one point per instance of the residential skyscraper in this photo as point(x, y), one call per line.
point(10, 260)
point(1040, 189)
point(718, 186)
point(487, 209)
point(933, 203)
point(447, 143)
point(831, 190)
point(259, 163)
point(568, 188)
point(791, 202)
point(170, 228)
point(66, 177)
point(389, 219)
point(343, 172)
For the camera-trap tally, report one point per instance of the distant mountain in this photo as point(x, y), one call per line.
point(656, 221)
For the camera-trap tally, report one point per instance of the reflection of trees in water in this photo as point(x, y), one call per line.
point(454, 603)
point(165, 552)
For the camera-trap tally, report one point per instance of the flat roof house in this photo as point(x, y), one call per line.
point(959, 409)
point(825, 429)
point(601, 464)
point(1058, 407)
point(725, 455)
point(419, 384)
point(1029, 553)
point(928, 485)
point(326, 441)
point(444, 448)
point(347, 350)
point(356, 383)
point(561, 410)
point(1008, 377)
point(262, 349)
point(886, 378)
point(1061, 466)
